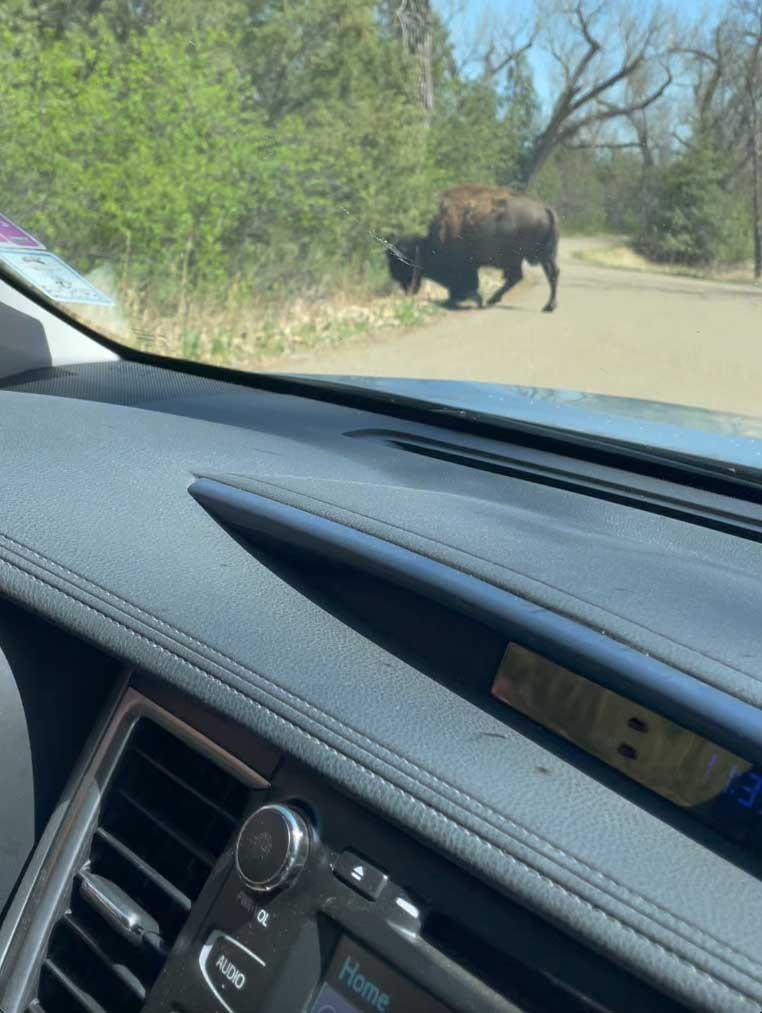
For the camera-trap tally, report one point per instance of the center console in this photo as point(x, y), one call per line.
point(199, 872)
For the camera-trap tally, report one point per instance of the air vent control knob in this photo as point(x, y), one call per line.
point(272, 848)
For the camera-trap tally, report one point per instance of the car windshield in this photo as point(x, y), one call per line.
point(398, 188)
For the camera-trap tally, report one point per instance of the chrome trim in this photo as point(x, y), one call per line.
point(203, 957)
point(56, 826)
point(57, 859)
point(125, 915)
point(144, 707)
point(297, 850)
point(407, 907)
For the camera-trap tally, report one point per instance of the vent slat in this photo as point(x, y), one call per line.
point(199, 854)
point(121, 912)
point(177, 896)
point(121, 971)
point(185, 785)
point(168, 814)
point(83, 998)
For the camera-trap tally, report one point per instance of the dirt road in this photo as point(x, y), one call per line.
point(627, 333)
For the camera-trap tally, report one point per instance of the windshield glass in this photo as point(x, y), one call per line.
point(398, 188)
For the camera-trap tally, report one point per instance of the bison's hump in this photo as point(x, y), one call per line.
point(477, 196)
point(465, 210)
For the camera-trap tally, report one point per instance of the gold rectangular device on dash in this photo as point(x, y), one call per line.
point(676, 763)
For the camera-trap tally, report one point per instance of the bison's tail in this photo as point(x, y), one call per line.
point(551, 243)
point(546, 248)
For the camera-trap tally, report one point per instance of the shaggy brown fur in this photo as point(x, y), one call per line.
point(482, 226)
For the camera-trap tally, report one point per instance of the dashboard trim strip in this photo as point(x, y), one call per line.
point(702, 708)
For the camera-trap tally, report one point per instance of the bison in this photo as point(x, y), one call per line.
point(479, 226)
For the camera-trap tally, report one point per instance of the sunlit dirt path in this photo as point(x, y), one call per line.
point(627, 333)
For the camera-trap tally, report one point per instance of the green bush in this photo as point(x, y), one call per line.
point(628, 192)
point(570, 182)
point(156, 156)
point(695, 220)
point(264, 147)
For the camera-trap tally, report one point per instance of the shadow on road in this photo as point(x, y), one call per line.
point(445, 305)
point(464, 308)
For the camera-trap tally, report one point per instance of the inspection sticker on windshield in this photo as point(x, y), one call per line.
point(48, 273)
point(12, 235)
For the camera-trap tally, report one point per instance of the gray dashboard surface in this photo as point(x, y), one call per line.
point(100, 534)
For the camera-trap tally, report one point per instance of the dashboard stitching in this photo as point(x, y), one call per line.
point(505, 569)
point(299, 702)
point(436, 812)
point(364, 769)
point(493, 847)
point(396, 757)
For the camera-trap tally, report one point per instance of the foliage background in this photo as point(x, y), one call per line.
point(252, 151)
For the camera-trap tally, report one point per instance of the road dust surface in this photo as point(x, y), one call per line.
point(627, 333)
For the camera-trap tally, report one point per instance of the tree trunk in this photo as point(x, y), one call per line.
point(757, 213)
point(414, 20)
point(541, 150)
point(756, 183)
point(755, 151)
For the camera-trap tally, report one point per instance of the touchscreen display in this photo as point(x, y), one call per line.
point(358, 982)
point(715, 785)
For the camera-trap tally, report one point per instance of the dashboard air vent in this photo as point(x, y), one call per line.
point(168, 815)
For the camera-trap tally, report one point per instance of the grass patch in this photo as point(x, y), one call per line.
point(246, 333)
point(620, 255)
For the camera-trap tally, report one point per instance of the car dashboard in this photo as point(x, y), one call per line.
point(318, 706)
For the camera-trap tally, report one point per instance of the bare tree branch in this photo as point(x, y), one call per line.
point(601, 145)
point(635, 106)
point(585, 21)
point(491, 51)
point(598, 51)
point(492, 65)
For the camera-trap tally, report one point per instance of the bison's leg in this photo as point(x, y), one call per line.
point(465, 286)
point(513, 275)
point(552, 271)
point(453, 300)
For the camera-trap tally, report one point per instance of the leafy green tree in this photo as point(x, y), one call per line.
point(627, 192)
point(696, 220)
point(92, 173)
point(465, 141)
point(249, 145)
point(297, 54)
point(570, 181)
point(519, 111)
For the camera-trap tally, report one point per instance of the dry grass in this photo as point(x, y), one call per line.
point(249, 333)
point(620, 255)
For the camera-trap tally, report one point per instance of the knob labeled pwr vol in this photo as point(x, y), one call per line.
point(272, 848)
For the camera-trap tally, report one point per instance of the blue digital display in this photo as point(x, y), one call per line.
point(737, 811)
point(714, 785)
point(330, 1001)
point(746, 790)
point(358, 982)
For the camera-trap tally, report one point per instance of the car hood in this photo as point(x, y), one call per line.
point(730, 442)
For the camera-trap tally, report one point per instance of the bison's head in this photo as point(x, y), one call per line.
point(404, 256)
